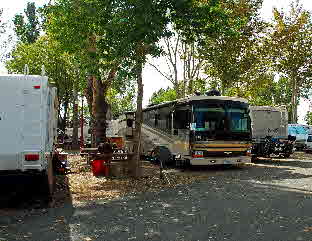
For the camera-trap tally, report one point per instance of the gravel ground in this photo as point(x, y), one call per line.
point(269, 201)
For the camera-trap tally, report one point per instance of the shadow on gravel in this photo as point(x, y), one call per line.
point(211, 210)
point(282, 188)
point(288, 162)
point(26, 215)
point(269, 170)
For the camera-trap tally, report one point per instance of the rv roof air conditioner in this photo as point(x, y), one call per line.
point(213, 92)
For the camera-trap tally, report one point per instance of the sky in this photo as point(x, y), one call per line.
point(152, 80)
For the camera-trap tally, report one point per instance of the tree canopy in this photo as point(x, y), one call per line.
point(27, 30)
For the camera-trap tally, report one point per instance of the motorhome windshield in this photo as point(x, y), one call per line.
point(220, 121)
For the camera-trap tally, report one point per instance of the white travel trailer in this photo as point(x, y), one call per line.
point(28, 125)
point(270, 132)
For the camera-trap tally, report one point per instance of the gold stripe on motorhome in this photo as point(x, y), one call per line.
point(221, 147)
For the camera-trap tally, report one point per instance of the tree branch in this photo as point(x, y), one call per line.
point(159, 71)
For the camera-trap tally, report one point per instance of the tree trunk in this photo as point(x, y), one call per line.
point(191, 85)
point(294, 100)
point(100, 105)
point(64, 119)
point(99, 110)
point(75, 121)
point(135, 163)
point(89, 97)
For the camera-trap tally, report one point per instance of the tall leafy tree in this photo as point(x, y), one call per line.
point(134, 31)
point(229, 57)
point(121, 34)
point(27, 30)
point(59, 66)
point(291, 47)
point(80, 26)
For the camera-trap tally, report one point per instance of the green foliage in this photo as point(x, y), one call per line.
point(290, 45)
point(240, 56)
point(163, 95)
point(230, 58)
point(270, 92)
point(308, 118)
point(59, 66)
point(121, 101)
point(27, 31)
point(199, 19)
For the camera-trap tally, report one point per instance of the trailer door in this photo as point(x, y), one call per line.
point(33, 114)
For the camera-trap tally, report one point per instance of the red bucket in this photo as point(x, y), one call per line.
point(99, 168)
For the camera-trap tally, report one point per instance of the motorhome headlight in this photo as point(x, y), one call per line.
point(248, 152)
point(178, 156)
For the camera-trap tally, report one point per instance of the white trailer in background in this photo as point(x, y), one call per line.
point(269, 121)
point(270, 131)
point(28, 129)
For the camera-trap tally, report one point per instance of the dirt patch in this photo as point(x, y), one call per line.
point(84, 186)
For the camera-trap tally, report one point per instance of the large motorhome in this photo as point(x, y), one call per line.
point(202, 130)
point(28, 127)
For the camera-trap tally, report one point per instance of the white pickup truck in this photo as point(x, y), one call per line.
point(28, 129)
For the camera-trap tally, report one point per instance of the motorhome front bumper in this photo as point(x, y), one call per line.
point(220, 161)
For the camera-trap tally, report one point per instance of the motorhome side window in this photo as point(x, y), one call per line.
point(156, 120)
point(181, 119)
